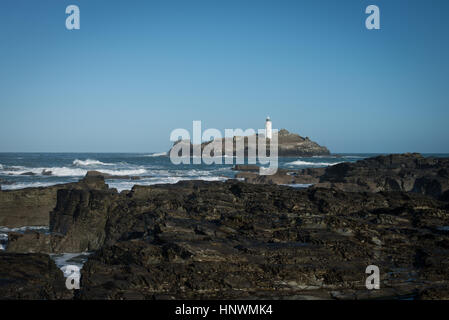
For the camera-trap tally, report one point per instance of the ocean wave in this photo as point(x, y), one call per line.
point(353, 157)
point(56, 171)
point(134, 172)
point(24, 185)
point(69, 172)
point(328, 157)
point(44, 229)
point(127, 185)
point(90, 162)
point(64, 260)
point(157, 154)
point(298, 185)
point(307, 163)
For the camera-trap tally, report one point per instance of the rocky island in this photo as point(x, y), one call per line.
point(289, 145)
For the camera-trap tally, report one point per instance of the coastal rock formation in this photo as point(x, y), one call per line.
point(409, 172)
point(31, 206)
point(31, 277)
point(293, 145)
point(234, 240)
point(289, 145)
point(29, 242)
point(27, 207)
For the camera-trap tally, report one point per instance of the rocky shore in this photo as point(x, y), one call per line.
point(410, 172)
point(238, 240)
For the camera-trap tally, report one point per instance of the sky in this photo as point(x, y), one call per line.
point(136, 70)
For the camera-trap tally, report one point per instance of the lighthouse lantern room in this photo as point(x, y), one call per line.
point(268, 130)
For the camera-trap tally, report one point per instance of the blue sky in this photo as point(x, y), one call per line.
point(136, 70)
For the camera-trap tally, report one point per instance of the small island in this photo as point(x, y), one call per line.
point(289, 144)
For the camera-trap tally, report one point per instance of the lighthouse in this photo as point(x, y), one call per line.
point(268, 131)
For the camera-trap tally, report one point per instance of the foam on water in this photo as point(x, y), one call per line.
point(157, 154)
point(311, 164)
point(24, 185)
point(298, 185)
point(128, 185)
point(69, 172)
point(3, 241)
point(63, 260)
point(55, 171)
point(42, 170)
point(90, 162)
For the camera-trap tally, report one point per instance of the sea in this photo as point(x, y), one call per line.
point(24, 170)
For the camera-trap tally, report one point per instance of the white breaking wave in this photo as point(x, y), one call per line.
point(298, 185)
point(71, 172)
point(23, 229)
point(353, 157)
point(127, 185)
point(158, 154)
point(307, 163)
point(90, 162)
point(134, 172)
point(63, 260)
point(24, 185)
point(56, 171)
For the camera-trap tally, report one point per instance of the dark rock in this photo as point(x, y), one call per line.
point(46, 173)
point(246, 167)
point(27, 207)
point(92, 174)
point(282, 176)
point(29, 242)
point(438, 292)
point(31, 277)
point(28, 174)
point(410, 172)
point(80, 216)
point(31, 206)
point(234, 240)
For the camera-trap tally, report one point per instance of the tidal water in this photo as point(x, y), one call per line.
point(23, 170)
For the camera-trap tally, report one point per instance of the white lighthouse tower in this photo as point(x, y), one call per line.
point(268, 131)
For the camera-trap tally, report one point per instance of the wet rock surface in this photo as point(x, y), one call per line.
point(31, 206)
point(31, 277)
point(228, 240)
point(199, 240)
point(409, 172)
point(26, 207)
